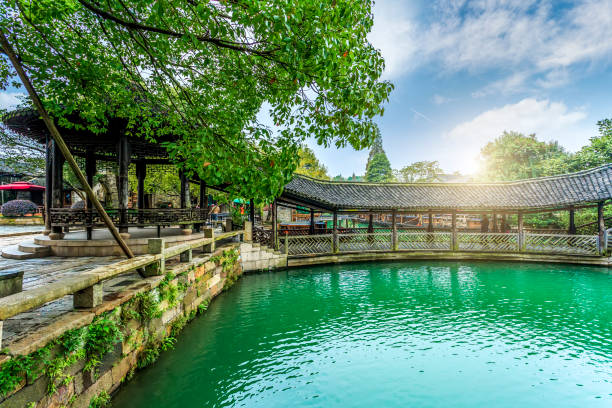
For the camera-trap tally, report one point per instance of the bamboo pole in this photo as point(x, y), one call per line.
point(8, 50)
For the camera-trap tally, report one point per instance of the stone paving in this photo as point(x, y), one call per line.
point(41, 271)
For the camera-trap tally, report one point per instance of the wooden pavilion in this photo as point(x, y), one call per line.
point(116, 148)
point(493, 201)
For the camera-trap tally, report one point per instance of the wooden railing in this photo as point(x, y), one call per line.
point(588, 245)
point(87, 286)
point(68, 217)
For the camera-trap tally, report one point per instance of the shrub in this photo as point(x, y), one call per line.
point(79, 205)
point(18, 208)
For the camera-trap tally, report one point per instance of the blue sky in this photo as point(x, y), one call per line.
point(464, 71)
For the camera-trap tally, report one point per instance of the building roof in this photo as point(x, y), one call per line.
point(583, 187)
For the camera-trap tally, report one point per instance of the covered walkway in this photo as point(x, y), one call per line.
point(492, 204)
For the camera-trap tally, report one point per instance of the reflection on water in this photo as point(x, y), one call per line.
point(404, 334)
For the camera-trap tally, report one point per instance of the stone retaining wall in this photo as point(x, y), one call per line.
point(82, 357)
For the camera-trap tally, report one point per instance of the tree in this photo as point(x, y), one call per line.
point(597, 152)
point(201, 72)
point(310, 165)
point(419, 172)
point(379, 169)
point(514, 156)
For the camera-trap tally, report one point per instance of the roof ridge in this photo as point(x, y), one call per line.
point(472, 183)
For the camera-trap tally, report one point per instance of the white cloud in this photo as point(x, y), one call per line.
point(525, 37)
point(440, 100)
point(9, 100)
point(548, 120)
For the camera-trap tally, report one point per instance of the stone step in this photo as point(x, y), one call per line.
point(33, 248)
point(13, 252)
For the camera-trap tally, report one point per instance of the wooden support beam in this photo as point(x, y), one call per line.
point(454, 243)
point(521, 232)
point(57, 182)
point(123, 185)
point(8, 50)
point(371, 224)
point(252, 211)
point(275, 224)
point(601, 225)
point(49, 148)
point(394, 244)
point(335, 232)
point(571, 230)
point(311, 230)
point(430, 226)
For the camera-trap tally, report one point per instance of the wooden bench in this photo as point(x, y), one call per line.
point(10, 282)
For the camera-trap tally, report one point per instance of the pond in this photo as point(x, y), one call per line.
point(418, 334)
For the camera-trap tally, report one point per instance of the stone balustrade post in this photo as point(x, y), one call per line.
point(209, 233)
point(156, 246)
point(186, 256)
point(248, 231)
point(88, 297)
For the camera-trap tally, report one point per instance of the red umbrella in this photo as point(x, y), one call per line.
point(22, 185)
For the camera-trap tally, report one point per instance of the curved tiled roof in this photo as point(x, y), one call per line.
point(586, 186)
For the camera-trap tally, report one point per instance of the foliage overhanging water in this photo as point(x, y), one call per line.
point(418, 334)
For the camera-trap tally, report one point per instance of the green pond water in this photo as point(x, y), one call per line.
point(409, 334)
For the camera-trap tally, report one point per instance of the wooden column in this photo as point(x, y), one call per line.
point(57, 175)
point(49, 148)
point(90, 172)
point(371, 224)
point(430, 226)
point(311, 229)
point(484, 223)
point(335, 233)
point(274, 225)
point(141, 174)
point(601, 225)
point(521, 234)
point(204, 200)
point(454, 243)
point(495, 223)
point(571, 230)
point(252, 211)
point(394, 245)
point(185, 201)
point(123, 186)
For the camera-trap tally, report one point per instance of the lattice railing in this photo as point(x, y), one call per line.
point(487, 242)
point(306, 244)
point(68, 217)
point(377, 241)
point(562, 244)
point(263, 236)
point(443, 241)
point(424, 240)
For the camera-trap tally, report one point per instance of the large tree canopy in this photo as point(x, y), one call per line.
point(201, 70)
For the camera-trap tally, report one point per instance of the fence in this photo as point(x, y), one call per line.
point(589, 245)
point(87, 286)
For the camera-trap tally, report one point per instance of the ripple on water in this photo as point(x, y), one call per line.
point(405, 334)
